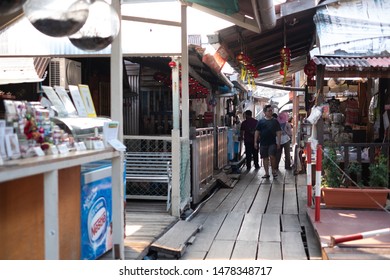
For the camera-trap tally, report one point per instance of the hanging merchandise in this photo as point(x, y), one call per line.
point(372, 109)
point(249, 72)
point(310, 71)
point(285, 57)
point(100, 29)
point(57, 18)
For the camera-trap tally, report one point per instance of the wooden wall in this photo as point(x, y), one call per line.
point(22, 217)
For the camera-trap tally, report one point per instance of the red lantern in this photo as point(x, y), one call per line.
point(172, 64)
point(240, 57)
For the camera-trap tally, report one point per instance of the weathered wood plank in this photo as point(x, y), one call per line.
point(193, 255)
point(312, 240)
point(230, 227)
point(250, 227)
point(205, 238)
point(275, 202)
point(244, 250)
point(174, 241)
point(220, 250)
point(292, 246)
point(269, 251)
point(246, 200)
point(232, 198)
point(247, 177)
point(290, 223)
point(270, 228)
point(216, 200)
point(261, 200)
point(290, 205)
point(302, 198)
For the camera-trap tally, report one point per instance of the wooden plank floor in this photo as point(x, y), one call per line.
point(257, 219)
point(146, 221)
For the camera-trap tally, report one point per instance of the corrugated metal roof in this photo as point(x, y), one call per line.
point(352, 62)
point(369, 67)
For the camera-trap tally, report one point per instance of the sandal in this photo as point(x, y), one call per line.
point(265, 176)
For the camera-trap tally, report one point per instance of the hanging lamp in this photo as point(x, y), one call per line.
point(100, 29)
point(56, 18)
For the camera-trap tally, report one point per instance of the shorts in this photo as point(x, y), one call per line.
point(266, 151)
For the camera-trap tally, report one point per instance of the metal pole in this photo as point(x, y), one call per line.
point(308, 174)
point(318, 182)
point(358, 236)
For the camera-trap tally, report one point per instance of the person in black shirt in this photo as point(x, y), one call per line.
point(269, 132)
point(247, 133)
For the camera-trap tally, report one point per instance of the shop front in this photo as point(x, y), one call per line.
point(351, 105)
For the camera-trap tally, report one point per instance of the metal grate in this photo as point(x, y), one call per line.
point(54, 73)
point(147, 190)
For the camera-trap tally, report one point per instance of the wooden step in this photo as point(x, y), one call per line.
point(175, 240)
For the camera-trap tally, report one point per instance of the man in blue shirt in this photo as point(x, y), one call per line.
point(269, 132)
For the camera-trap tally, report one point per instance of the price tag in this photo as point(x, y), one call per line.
point(80, 146)
point(63, 149)
point(53, 150)
point(98, 145)
point(38, 151)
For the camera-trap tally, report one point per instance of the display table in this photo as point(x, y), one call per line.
point(40, 205)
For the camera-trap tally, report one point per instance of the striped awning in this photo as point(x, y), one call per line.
point(23, 69)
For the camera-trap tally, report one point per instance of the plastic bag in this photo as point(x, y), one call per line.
point(315, 114)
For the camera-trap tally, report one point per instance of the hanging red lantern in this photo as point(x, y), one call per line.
point(240, 57)
point(172, 64)
point(310, 69)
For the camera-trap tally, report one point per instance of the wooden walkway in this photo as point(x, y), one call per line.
point(253, 219)
point(146, 221)
point(256, 219)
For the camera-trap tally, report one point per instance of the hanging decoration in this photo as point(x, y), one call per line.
point(249, 72)
point(285, 58)
point(195, 88)
point(310, 71)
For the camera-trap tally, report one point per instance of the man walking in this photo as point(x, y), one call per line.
point(247, 133)
point(269, 132)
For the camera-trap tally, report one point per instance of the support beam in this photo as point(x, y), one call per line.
point(116, 66)
point(50, 185)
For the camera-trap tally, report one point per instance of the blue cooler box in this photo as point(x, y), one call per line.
point(96, 209)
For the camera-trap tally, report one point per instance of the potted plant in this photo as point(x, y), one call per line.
point(379, 176)
point(332, 173)
point(338, 191)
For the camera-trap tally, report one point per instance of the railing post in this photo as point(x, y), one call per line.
point(358, 236)
point(318, 182)
point(308, 174)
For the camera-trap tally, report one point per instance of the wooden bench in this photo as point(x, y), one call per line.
point(149, 167)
